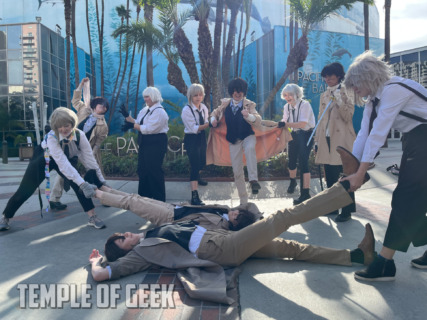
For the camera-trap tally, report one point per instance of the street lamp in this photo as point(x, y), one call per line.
point(38, 19)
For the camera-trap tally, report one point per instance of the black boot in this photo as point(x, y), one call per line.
point(343, 216)
point(379, 270)
point(195, 200)
point(305, 195)
point(292, 185)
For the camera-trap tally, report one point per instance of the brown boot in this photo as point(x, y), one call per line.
point(350, 164)
point(367, 245)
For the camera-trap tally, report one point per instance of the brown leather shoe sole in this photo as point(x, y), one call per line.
point(350, 163)
point(367, 245)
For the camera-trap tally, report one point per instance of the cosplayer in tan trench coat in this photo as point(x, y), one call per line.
point(335, 129)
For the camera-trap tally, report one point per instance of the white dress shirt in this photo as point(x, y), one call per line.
point(393, 99)
point(85, 155)
point(303, 113)
point(191, 122)
point(155, 120)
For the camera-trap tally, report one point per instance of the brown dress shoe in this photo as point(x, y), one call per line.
point(367, 245)
point(350, 164)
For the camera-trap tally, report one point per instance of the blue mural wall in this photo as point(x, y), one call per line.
point(324, 48)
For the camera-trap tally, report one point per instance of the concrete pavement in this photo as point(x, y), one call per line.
point(55, 249)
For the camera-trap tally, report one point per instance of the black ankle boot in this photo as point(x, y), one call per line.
point(195, 200)
point(292, 185)
point(305, 194)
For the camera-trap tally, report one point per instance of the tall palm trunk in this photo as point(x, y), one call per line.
point(185, 51)
point(148, 15)
point(138, 10)
point(216, 88)
point(236, 56)
point(248, 9)
point(113, 107)
point(92, 65)
point(101, 40)
point(139, 80)
point(387, 6)
point(234, 8)
point(366, 23)
point(73, 34)
point(206, 56)
point(67, 13)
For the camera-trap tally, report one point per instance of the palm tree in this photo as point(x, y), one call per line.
point(234, 6)
point(113, 106)
point(308, 12)
point(166, 47)
point(67, 14)
point(101, 40)
point(216, 86)
point(387, 6)
point(366, 23)
point(201, 11)
point(73, 34)
point(92, 65)
point(138, 10)
point(247, 7)
point(148, 16)
point(123, 13)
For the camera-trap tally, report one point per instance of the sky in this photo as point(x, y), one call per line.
point(408, 29)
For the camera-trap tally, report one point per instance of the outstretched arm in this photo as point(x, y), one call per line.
point(98, 273)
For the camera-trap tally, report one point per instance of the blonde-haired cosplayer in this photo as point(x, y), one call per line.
point(392, 102)
point(60, 150)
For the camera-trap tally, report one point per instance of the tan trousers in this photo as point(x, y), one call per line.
point(258, 240)
point(157, 212)
point(236, 154)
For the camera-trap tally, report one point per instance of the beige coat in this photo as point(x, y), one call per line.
point(270, 140)
point(100, 131)
point(341, 131)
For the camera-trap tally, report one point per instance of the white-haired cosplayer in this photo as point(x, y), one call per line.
point(393, 102)
point(299, 117)
point(152, 126)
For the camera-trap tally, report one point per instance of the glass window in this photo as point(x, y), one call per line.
point(56, 104)
point(14, 54)
point(16, 107)
point(423, 65)
point(62, 79)
point(16, 72)
point(3, 38)
point(46, 73)
point(54, 43)
point(2, 54)
point(16, 89)
point(55, 93)
point(410, 66)
point(3, 72)
point(45, 38)
point(45, 56)
point(3, 90)
point(47, 91)
point(61, 48)
point(54, 60)
point(14, 37)
point(54, 76)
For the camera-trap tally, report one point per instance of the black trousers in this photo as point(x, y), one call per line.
point(33, 177)
point(299, 151)
point(195, 145)
point(408, 220)
point(152, 150)
point(332, 174)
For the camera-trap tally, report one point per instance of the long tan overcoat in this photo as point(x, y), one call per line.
point(340, 118)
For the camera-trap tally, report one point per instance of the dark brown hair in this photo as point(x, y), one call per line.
point(244, 218)
point(112, 250)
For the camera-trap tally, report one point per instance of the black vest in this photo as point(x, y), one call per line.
point(179, 232)
point(237, 127)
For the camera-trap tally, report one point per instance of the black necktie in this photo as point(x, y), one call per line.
point(67, 154)
point(201, 120)
point(374, 113)
point(142, 120)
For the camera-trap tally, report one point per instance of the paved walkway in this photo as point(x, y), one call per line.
point(54, 250)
